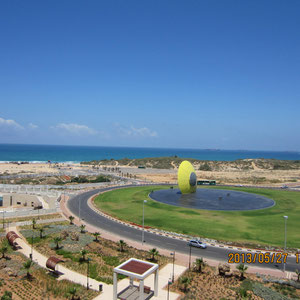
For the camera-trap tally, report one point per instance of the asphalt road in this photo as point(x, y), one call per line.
point(153, 240)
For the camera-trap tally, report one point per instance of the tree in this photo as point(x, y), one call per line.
point(96, 234)
point(3, 250)
point(242, 268)
point(41, 230)
point(153, 252)
point(71, 218)
point(7, 296)
point(122, 244)
point(27, 265)
point(199, 264)
point(33, 223)
point(82, 227)
point(72, 291)
point(83, 253)
point(298, 274)
point(56, 240)
point(184, 281)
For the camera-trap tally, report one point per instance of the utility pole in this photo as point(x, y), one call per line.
point(87, 275)
point(145, 201)
point(3, 218)
point(173, 274)
point(285, 220)
point(190, 257)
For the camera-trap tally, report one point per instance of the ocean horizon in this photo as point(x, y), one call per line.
point(77, 154)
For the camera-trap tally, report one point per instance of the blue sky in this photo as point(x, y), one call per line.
point(190, 74)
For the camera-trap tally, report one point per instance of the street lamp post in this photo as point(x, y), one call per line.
point(190, 257)
point(31, 254)
point(79, 211)
point(169, 283)
point(87, 275)
point(3, 218)
point(173, 254)
point(145, 201)
point(285, 221)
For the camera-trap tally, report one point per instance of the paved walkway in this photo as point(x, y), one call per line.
point(164, 274)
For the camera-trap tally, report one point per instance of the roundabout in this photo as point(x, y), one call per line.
point(213, 251)
point(213, 199)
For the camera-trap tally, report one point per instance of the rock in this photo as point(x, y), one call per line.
point(64, 235)
point(223, 268)
point(74, 236)
point(10, 272)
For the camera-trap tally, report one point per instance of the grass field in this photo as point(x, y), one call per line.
point(259, 227)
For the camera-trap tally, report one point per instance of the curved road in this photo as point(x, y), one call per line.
point(211, 252)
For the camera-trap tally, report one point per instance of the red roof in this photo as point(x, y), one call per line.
point(136, 267)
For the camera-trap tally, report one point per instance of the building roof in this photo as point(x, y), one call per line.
point(136, 268)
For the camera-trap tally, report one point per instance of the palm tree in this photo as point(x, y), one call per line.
point(33, 223)
point(153, 252)
point(3, 250)
point(7, 296)
point(242, 268)
point(82, 227)
point(73, 292)
point(27, 265)
point(83, 253)
point(56, 240)
point(41, 230)
point(298, 274)
point(199, 264)
point(71, 218)
point(96, 234)
point(122, 244)
point(185, 281)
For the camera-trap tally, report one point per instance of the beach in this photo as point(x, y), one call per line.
point(225, 174)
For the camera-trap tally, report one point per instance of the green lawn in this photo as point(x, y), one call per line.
point(264, 227)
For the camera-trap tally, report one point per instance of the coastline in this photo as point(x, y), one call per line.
point(76, 154)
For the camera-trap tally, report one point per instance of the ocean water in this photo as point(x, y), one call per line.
point(43, 153)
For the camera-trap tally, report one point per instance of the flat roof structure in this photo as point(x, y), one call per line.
point(136, 269)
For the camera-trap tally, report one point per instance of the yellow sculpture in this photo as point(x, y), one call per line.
point(187, 180)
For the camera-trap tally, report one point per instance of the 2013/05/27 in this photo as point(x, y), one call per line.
point(261, 258)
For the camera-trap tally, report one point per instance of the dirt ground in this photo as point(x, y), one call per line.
point(210, 285)
point(253, 172)
point(40, 285)
point(255, 177)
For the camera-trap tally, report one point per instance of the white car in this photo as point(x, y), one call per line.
point(197, 243)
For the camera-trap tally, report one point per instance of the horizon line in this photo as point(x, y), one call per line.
point(141, 147)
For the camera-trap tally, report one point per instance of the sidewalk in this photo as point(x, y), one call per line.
point(164, 274)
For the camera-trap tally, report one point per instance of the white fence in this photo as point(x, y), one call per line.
point(14, 213)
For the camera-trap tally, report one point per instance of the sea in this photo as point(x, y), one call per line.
point(76, 154)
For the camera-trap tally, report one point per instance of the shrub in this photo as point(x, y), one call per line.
point(111, 260)
point(106, 280)
point(7, 296)
point(65, 254)
point(267, 293)
point(205, 167)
